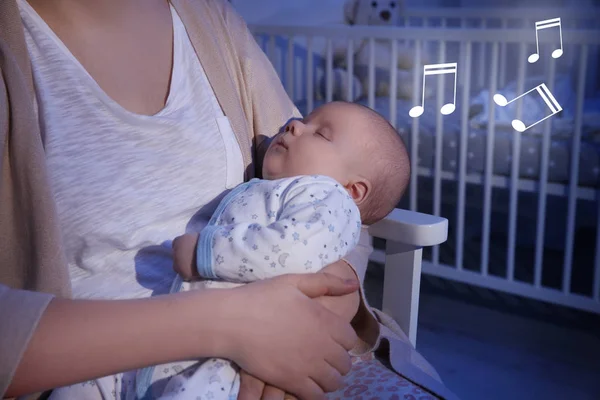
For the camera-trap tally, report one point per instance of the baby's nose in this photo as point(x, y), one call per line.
point(385, 15)
point(295, 128)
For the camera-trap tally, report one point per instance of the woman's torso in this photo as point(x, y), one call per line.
point(125, 184)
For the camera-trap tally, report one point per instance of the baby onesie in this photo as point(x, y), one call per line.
point(261, 229)
point(267, 228)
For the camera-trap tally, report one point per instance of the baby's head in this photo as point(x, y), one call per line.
point(351, 144)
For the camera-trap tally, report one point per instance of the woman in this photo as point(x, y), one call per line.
point(112, 140)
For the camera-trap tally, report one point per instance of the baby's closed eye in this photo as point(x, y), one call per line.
point(322, 135)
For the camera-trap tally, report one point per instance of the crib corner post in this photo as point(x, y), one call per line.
point(402, 285)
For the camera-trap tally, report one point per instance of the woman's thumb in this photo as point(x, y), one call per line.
point(324, 284)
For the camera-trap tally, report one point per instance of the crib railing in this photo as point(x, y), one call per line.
point(292, 52)
point(498, 18)
point(576, 14)
point(503, 18)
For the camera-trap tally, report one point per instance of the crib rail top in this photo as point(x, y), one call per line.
point(519, 13)
point(579, 36)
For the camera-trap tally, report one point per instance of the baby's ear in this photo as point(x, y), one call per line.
point(359, 190)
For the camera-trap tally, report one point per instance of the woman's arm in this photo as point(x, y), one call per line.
point(77, 340)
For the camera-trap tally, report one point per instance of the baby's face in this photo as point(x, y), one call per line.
point(327, 142)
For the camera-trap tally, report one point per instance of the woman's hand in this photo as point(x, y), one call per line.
point(345, 306)
point(252, 388)
point(275, 332)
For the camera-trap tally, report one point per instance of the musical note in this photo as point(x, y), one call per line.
point(549, 23)
point(545, 95)
point(436, 69)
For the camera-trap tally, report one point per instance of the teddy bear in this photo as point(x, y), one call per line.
point(380, 13)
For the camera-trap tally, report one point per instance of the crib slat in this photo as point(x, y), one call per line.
point(350, 69)
point(596, 291)
point(489, 163)
point(541, 215)
point(372, 73)
point(414, 137)
point(309, 76)
point(482, 54)
point(463, 61)
point(502, 75)
point(393, 82)
point(574, 178)
point(514, 171)
point(425, 43)
point(290, 68)
point(329, 72)
point(439, 134)
point(462, 163)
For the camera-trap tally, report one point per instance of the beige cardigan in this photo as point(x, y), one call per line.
point(32, 263)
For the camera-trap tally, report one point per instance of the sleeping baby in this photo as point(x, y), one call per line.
point(324, 177)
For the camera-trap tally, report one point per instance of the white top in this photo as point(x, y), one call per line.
point(126, 184)
point(267, 228)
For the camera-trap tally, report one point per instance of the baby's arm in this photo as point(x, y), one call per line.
point(318, 224)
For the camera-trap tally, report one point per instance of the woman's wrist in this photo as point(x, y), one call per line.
point(208, 321)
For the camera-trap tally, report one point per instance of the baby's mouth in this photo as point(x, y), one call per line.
point(281, 142)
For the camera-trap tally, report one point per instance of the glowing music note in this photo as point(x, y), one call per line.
point(545, 95)
point(549, 23)
point(436, 69)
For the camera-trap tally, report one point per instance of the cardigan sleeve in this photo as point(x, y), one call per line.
point(29, 234)
point(365, 323)
point(20, 313)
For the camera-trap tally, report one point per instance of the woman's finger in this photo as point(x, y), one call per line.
point(310, 390)
point(343, 333)
point(251, 388)
point(339, 359)
point(324, 284)
point(272, 393)
point(328, 378)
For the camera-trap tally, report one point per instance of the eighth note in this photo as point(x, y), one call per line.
point(436, 69)
point(549, 23)
point(544, 94)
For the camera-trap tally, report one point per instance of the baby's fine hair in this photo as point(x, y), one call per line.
point(388, 167)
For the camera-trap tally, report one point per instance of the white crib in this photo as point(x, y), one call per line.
point(514, 210)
